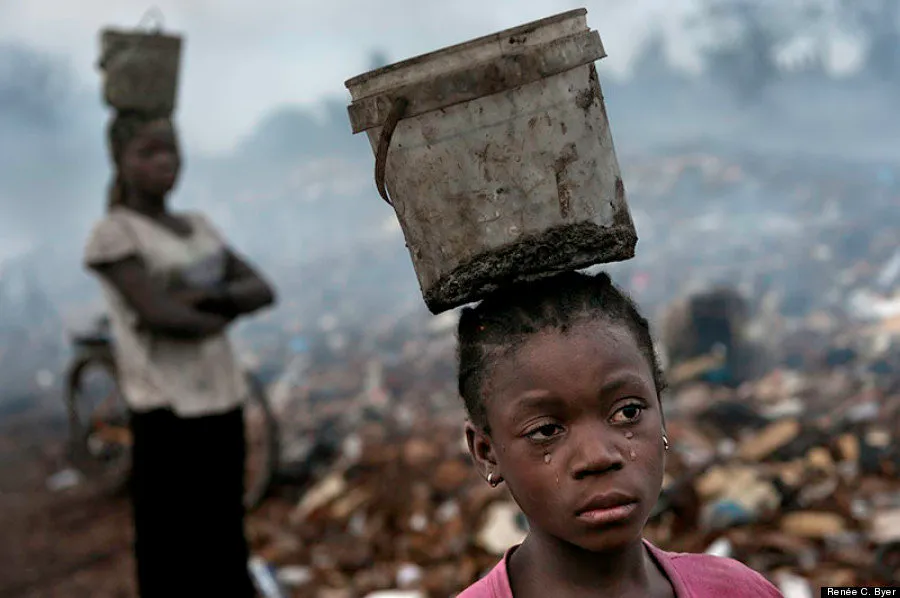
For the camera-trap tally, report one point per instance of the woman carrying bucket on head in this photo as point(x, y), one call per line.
point(173, 286)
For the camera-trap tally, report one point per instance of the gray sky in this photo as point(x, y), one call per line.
point(245, 57)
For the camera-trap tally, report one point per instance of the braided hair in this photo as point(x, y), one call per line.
point(122, 129)
point(506, 319)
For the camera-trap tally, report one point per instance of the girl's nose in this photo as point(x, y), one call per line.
point(596, 451)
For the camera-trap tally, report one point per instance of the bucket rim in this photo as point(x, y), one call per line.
point(492, 37)
point(140, 33)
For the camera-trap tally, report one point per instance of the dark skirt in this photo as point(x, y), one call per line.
point(188, 489)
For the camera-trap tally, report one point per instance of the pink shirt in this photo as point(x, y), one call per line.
point(691, 575)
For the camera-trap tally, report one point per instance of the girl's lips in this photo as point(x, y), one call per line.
point(606, 516)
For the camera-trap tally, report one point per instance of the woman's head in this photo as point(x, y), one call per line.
point(145, 153)
point(562, 385)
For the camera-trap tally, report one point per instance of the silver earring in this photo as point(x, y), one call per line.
point(492, 481)
point(666, 442)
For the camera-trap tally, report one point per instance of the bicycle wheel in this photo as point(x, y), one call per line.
point(100, 441)
point(262, 441)
point(100, 437)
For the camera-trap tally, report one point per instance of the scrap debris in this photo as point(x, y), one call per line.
point(794, 473)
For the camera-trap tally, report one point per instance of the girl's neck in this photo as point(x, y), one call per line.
point(545, 562)
point(153, 207)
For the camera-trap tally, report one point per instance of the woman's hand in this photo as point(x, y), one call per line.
point(215, 301)
point(193, 297)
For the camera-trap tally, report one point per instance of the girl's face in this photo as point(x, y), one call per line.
point(150, 163)
point(576, 433)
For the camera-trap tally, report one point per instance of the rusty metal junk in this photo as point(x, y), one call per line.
point(498, 157)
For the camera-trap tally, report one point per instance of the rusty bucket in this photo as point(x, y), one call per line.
point(497, 157)
point(140, 70)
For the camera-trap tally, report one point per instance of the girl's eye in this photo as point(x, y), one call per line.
point(628, 414)
point(545, 432)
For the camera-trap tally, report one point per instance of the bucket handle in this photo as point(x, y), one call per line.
point(384, 144)
point(153, 13)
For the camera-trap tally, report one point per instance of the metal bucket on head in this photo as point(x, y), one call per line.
point(498, 158)
point(140, 69)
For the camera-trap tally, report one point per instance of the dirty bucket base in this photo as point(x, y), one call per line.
point(567, 247)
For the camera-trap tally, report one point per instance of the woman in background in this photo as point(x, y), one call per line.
point(173, 286)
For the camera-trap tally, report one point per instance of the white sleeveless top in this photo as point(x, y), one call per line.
point(191, 377)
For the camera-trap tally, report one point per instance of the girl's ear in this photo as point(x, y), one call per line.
point(482, 450)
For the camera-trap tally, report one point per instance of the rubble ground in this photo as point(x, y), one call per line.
point(56, 543)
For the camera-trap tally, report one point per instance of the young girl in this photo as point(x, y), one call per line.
point(173, 286)
point(562, 386)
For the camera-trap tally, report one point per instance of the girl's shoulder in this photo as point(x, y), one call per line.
point(705, 575)
point(695, 575)
point(493, 585)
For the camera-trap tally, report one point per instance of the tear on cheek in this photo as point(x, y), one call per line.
point(632, 454)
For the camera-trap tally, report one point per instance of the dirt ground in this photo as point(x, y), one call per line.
point(69, 543)
point(73, 543)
